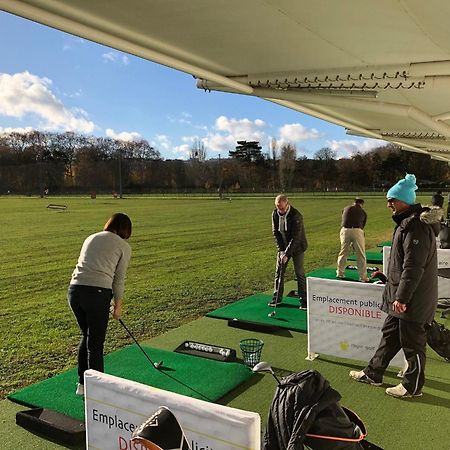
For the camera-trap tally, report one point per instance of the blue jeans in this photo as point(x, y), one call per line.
point(90, 305)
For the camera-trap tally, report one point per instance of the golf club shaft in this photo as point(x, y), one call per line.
point(157, 368)
point(137, 343)
point(282, 268)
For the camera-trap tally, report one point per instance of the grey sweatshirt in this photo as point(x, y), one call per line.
point(103, 262)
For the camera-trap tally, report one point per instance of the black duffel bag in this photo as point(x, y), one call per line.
point(444, 235)
point(306, 414)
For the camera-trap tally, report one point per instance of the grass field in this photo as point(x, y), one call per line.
point(190, 256)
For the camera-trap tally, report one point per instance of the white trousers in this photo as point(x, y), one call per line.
point(355, 237)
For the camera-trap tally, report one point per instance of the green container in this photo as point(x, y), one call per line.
point(251, 351)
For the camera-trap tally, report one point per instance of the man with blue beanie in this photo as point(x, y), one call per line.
point(410, 294)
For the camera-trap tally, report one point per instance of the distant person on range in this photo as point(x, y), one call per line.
point(354, 220)
point(99, 277)
point(410, 294)
point(437, 199)
point(290, 238)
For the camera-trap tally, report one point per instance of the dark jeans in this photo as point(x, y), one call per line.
point(297, 259)
point(409, 336)
point(91, 308)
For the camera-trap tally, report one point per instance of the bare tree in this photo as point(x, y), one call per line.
point(198, 151)
point(325, 167)
point(287, 165)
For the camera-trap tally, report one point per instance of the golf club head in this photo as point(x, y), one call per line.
point(262, 366)
point(158, 365)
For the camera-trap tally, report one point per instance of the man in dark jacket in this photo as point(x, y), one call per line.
point(289, 233)
point(410, 294)
point(354, 220)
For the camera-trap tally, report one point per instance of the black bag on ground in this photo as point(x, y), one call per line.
point(306, 413)
point(438, 338)
point(444, 235)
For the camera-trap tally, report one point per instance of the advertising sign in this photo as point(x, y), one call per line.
point(115, 407)
point(344, 319)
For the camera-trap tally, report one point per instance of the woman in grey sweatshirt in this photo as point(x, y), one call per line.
point(98, 277)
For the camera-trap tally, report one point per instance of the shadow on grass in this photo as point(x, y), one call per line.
point(431, 399)
point(438, 385)
point(80, 446)
point(255, 379)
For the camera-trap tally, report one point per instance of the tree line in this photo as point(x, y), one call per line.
point(71, 163)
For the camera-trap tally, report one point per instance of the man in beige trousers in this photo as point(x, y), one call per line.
point(354, 220)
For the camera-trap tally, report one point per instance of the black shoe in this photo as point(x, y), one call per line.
point(303, 307)
point(273, 303)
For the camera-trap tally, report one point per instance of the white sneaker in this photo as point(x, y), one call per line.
point(359, 375)
point(399, 391)
point(80, 389)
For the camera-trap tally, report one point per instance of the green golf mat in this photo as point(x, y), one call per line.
point(209, 379)
point(255, 309)
point(371, 257)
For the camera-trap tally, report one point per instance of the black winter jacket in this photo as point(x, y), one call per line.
point(295, 233)
point(412, 272)
point(299, 401)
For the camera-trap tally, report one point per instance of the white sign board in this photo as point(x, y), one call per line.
point(344, 319)
point(443, 257)
point(115, 407)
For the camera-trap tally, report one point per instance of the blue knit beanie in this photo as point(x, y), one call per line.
point(404, 190)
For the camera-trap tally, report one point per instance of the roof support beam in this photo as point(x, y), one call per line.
point(62, 18)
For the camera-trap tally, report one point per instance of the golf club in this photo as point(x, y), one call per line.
point(157, 365)
point(281, 268)
point(265, 367)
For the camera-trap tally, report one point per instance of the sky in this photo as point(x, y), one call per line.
point(53, 81)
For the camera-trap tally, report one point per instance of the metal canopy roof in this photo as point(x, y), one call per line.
point(380, 69)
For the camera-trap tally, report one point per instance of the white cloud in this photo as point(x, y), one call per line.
point(230, 130)
point(75, 94)
point(184, 118)
point(16, 130)
point(348, 147)
point(115, 57)
point(220, 144)
point(24, 94)
point(123, 136)
point(163, 142)
point(241, 128)
point(182, 150)
point(190, 139)
point(110, 57)
point(296, 132)
point(72, 42)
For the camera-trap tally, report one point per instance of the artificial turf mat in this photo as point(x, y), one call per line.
point(393, 424)
point(209, 379)
point(255, 309)
point(371, 257)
